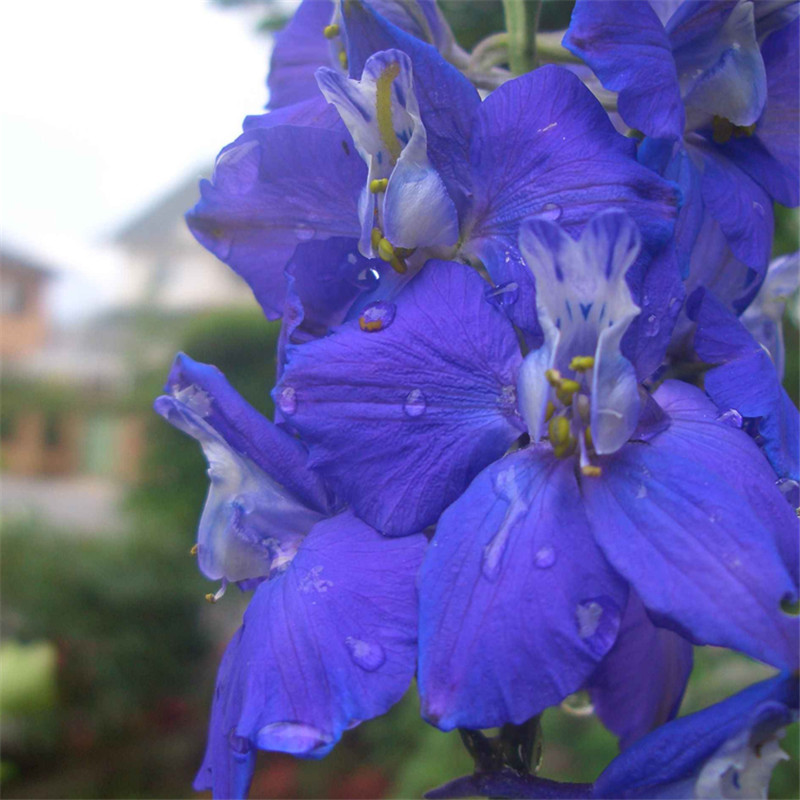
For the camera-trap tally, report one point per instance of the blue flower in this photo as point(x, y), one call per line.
point(727, 750)
point(329, 637)
point(417, 167)
point(713, 86)
point(524, 586)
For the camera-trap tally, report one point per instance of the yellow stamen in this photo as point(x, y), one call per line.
point(194, 550)
point(587, 437)
point(566, 390)
point(211, 598)
point(550, 409)
point(383, 107)
point(330, 31)
point(558, 428)
point(581, 363)
point(378, 185)
point(566, 449)
point(385, 250)
point(343, 59)
point(591, 471)
point(398, 265)
point(553, 377)
point(375, 238)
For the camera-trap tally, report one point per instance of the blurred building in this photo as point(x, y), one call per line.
point(69, 406)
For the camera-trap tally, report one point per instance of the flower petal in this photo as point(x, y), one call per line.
point(262, 498)
point(299, 49)
point(329, 643)
point(772, 155)
point(745, 380)
point(669, 761)
point(694, 521)
point(640, 683)
point(627, 47)
point(273, 188)
point(403, 407)
point(517, 604)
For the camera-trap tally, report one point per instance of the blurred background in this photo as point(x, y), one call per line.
point(110, 115)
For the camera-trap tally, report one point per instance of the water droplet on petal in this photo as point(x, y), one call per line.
point(504, 294)
point(287, 400)
point(239, 746)
point(367, 655)
point(377, 316)
point(578, 704)
point(641, 492)
point(550, 211)
point(652, 325)
point(304, 232)
point(292, 737)
point(367, 278)
point(588, 615)
point(415, 403)
point(731, 417)
point(545, 557)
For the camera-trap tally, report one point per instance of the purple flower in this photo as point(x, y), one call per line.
point(713, 86)
point(329, 637)
point(524, 587)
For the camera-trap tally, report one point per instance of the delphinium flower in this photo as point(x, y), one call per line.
point(728, 750)
point(479, 300)
point(714, 88)
point(329, 637)
point(524, 585)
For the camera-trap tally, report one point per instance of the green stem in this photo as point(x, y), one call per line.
point(550, 50)
point(522, 21)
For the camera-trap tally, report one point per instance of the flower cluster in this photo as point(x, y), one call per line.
point(530, 433)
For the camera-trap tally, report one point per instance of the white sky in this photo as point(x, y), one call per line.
point(104, 106)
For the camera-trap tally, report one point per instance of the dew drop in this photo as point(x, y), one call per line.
point(239, 746)
point(731, 417)
point(366, 278)
point(550, 211)
point(652, 325)
point(588, 616)
point(293, 738)
point(415, 404)
point(366, 655)
point(641, 493)
point(304, 233)
point(578, 704)
point(287, 400)
point(377, 316)
point(504, 294)
point(545, 557)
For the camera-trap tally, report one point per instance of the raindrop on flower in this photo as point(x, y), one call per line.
point(367, 655)
point(588, 616)
point(652, 325)
point(545, 557)
point(504, 294)
point(550, 211)
point(731, 417)
point(287, 400)
point(304, 233)
point(415, 403)
point(377, 316)
point(578, 704)
point(367, 278)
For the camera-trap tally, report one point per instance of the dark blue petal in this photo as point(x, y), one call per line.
point(315, 112)
point(746, 380)
point(640, 683)
point(694, 521)
point(543, 146)
point(404, 406)
point(447, 100)
point(299, 49)
point(627, 47)
point(517, 604)
point(667, 762)
point(740, 206)
point(273, 188)
point(772, 155)
point(329, 643)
